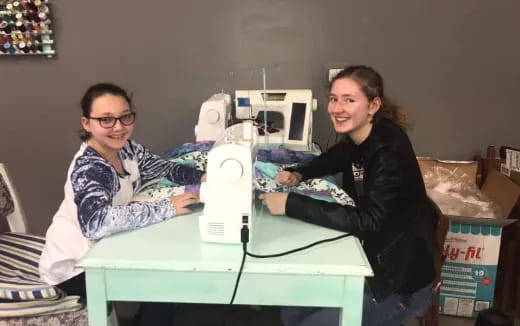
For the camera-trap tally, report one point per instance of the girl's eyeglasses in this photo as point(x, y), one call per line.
point(109, 122)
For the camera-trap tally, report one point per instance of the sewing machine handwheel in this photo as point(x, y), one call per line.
point(231, 169)
point(212, 116)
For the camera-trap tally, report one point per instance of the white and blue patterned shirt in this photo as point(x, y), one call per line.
point(98, 203)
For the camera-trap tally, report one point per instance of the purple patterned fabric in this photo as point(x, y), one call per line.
point(201, 146)
point(192, 188)
point(283, 156)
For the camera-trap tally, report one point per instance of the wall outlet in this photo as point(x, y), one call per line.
point(333, 72)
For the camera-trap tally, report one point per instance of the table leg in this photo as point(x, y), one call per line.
point(96, 297)
point(352, 309)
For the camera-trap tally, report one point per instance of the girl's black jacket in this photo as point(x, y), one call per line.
point(393, 217)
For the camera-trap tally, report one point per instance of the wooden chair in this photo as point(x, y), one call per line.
point(431, 316)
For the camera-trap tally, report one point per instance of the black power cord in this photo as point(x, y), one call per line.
point(297, 249)
point(244, 238)
point(244, 249)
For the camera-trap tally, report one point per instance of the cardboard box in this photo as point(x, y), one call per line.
point(510, 165)
point(472, 245)
point(513, 175)
point(469, 272)
point(458, 168)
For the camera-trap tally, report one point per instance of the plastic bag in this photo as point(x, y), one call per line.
point(457, 194)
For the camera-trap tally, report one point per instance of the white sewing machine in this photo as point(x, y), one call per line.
point(228, 193)
point(295, 108)
point(214, 116)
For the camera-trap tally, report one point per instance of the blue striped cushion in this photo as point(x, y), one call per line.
point(19, 276)
point(39, 307)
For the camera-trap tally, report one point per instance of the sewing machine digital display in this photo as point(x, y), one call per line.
point(297, 121)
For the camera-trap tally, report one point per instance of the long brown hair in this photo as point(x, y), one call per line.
point(371, 84)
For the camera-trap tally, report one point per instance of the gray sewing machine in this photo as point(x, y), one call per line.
point(283, 117)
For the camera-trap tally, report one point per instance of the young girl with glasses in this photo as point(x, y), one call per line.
point(101, 181)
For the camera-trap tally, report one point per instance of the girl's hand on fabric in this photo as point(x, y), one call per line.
point(289, 178)
point(275, 202)
point(203, 178)
point(182, 201)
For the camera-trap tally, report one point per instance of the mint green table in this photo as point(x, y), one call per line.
point(167, 262)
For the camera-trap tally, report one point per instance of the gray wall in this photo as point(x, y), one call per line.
point(452, 64)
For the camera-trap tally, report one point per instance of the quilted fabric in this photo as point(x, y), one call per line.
point(269, 163)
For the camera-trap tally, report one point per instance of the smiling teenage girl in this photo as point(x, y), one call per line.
point(393, 216)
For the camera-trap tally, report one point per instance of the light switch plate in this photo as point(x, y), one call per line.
point(333, 72)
